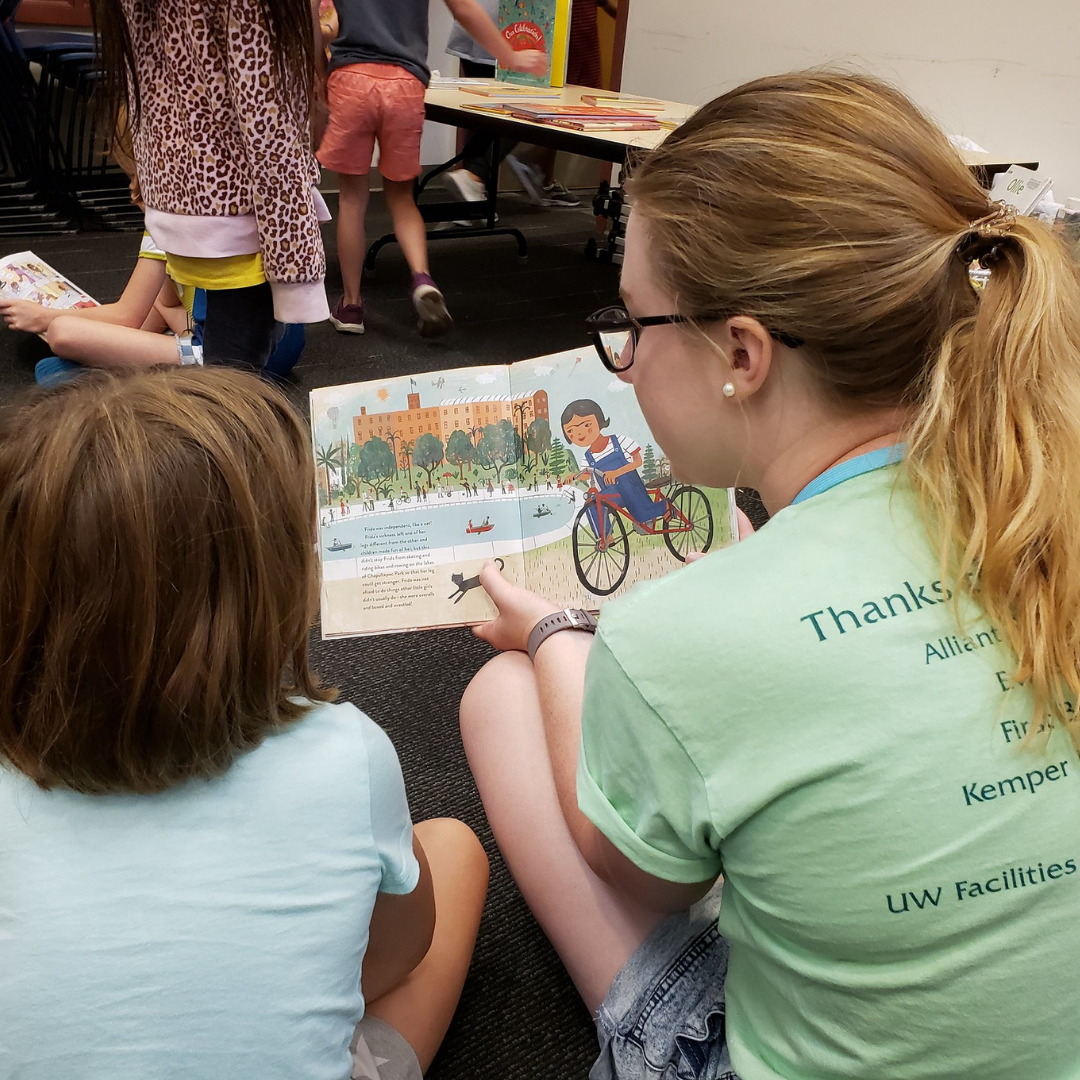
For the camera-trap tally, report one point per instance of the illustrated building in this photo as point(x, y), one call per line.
point(468, 414)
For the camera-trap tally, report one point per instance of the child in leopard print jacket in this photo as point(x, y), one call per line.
point(219, 98)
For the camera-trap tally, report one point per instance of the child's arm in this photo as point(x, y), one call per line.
point(478, 25)
point(614, 474)
point(99, 344)
point(131, 309)
point(400, 934)
point(319, 111)
point(273, 118)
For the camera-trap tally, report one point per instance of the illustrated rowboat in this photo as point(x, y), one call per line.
point(337, 545)
point(479, 528)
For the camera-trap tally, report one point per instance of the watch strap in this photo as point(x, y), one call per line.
point(567, 619)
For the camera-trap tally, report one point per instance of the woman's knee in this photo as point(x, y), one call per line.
point(494, 691)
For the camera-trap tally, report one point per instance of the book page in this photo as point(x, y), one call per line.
point(586, 538)
point(25, 276)
point(418, 488)
point(423, 479)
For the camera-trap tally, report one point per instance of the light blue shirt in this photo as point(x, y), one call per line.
point(213, 931)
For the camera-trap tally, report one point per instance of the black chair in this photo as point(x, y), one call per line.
point(59, 141)
point(31, 199)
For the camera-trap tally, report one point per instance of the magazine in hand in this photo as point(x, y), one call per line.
point(546, 466)
point(25, 276)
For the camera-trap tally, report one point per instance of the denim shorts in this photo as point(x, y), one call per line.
point(663, 1018)
point(380, 1052)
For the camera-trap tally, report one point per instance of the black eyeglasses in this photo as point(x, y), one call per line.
point(615, 333)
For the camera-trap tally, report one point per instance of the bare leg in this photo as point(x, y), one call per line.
point(594, 929)
point(409, 227)
point(421, 1007)
point(99, 344)
point(351, 237)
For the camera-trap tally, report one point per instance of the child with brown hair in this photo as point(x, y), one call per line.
point(207, 869)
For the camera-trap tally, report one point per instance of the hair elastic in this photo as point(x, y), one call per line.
point(983, 240)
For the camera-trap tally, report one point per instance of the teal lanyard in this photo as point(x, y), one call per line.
point(846, 470)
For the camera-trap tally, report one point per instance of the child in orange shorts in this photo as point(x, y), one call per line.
point(375, 91)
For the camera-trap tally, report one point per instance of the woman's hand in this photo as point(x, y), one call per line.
point(24, 315)
point(519, 611)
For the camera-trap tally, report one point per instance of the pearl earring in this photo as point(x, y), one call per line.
point(729, 389)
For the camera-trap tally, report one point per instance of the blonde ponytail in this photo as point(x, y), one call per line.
point(994, 454)
point(830, 208)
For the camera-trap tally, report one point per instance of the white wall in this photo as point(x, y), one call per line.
point(438, 142)
point(1004, 74)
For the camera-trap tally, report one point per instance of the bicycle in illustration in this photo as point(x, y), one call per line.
point(601, 536)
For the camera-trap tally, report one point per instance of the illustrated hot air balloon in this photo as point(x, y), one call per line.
point(332, 412)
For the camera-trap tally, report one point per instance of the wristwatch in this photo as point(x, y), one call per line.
point(567, 619)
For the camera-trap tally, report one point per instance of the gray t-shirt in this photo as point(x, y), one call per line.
point(463, 46)
point(378, 32)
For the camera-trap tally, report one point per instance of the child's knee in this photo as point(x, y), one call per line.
point(399, 190)
point(61, 335)
point(453, 836)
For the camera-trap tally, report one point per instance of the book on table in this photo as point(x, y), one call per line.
point(1021, 188)
point(574, 117)
point(26, 276)
point(546, 466)
point(536, 24)
point(617, 101)
point(508, 91)
point(543, 111)
point(609, 124)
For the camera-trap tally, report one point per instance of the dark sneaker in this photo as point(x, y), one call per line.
point(348, 318)
point(556, 195)
point(530, 178)
point(430, 306)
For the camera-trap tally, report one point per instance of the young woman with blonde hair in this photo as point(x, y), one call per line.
point(862, 716)
point(207, 869)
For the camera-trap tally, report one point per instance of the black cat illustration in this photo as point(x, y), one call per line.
point(464, 584)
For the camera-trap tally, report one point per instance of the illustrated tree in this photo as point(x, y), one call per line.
point(329, 457)
point(557, 457)
point(498, 447)
point(538, 439)
point(352, 469)
point(405, 456)
point(376, 465)
point(428, 454)
point(572, 466)
point(648, 465)
point(460, 451)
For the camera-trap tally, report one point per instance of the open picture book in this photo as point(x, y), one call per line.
point(25, 276)
point(546, 466)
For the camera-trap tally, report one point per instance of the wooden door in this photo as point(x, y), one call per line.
point(54, 12)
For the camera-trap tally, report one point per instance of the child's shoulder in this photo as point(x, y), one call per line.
point(335, 736)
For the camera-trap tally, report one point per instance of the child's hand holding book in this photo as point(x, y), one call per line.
point(527, 61)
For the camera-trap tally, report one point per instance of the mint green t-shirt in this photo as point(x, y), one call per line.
point(800, 712)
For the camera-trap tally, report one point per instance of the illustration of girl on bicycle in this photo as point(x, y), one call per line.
point(614, 460)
